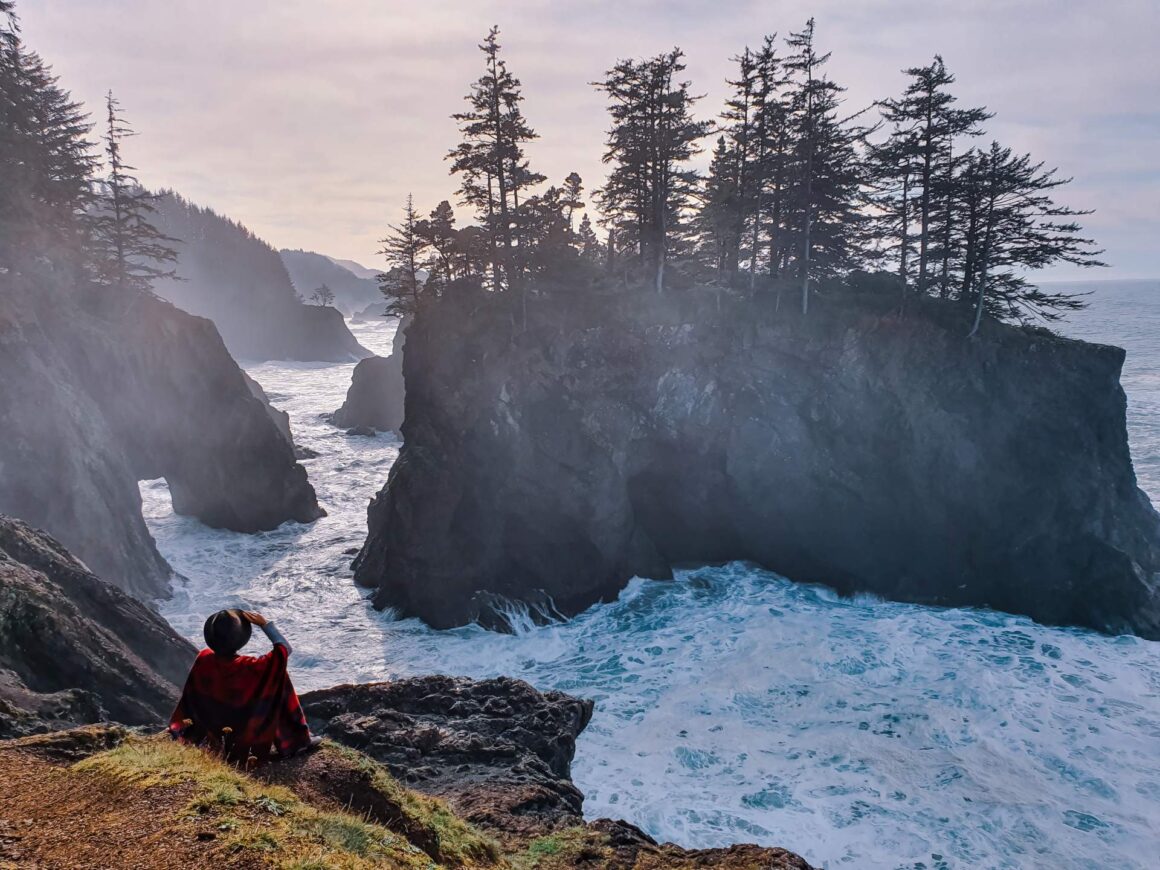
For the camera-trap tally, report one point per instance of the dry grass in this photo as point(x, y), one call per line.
point(252, 818)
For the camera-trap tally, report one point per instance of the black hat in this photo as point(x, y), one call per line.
point(226, 632)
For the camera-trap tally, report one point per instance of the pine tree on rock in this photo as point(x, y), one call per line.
point(647, 199)
point(1014, 227)
point(491, 161)
point(403, 249)
point(46, 163)
point(718, 220)
point(439, 235)
point(828, 174)
point(924, 127)
point(130, 251)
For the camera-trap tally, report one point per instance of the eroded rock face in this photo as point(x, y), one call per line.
point(375, 397)
point(619, 435)
point(101, 390)
point(73, 649)
point(498, 751)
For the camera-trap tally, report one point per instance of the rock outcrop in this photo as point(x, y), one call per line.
point(618, 435)
point(101, 390)
point(240, 283)
point(73, 649)
point(375, 397)
point(498, 751)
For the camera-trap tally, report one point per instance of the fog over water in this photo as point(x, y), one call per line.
point(733, 705)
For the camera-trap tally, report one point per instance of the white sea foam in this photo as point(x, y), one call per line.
point(733, 705)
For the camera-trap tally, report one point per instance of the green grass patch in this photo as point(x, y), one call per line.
point(459, 844)
point(271, 819)
point(563, 849)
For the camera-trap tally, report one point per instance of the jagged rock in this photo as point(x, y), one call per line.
point(281, 419)
point(102, 389)
point(375, 397)
point(73, 649)
point(620, 434)
point(498, 751)
point(362, 431)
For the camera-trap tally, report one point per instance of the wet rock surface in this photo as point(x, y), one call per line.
point(620, 434)
point(73, 649)
point(498, 751)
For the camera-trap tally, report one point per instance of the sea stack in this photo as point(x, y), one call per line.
point(621, 434)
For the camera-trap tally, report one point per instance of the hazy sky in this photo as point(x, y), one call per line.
point(311, 121)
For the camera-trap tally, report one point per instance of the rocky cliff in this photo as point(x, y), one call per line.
point(618, 435)
point(100, 390)
point(74, 650)
point(375, 397)
point(240, 283)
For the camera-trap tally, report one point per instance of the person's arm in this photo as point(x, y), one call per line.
point(269, 629)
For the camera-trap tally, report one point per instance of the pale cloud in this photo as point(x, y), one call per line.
point(310, 122)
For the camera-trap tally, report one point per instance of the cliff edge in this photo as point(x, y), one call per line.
point(621, 433)
point(102, 389)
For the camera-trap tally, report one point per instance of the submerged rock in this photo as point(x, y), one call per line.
point(498, 751)
point(102, 389)
point(73, 649)
point(621, 434)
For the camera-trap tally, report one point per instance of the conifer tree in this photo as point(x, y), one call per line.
point(403, 249)
point(827, 174)
point(588, 242)
point(439, 235)
point(743, 153)
point(649, 192)
point(1015, 226)
point(45, 161)
point(718, 220)
point(924, 126)
point(129, 249)
point(772, 162)
point(571, 199)
point(491, 161)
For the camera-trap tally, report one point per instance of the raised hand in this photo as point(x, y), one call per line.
point(254, 617)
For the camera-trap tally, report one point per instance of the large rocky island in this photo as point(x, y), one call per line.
point(622, 434)
point(103, 389)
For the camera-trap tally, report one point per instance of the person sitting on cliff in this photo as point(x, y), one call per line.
point(243, 706)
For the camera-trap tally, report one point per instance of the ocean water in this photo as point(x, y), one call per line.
point(733, 705)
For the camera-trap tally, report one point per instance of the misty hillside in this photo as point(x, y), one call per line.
point(229, 275)
point(352, 291)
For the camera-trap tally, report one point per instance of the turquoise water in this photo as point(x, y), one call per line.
point(733, 705)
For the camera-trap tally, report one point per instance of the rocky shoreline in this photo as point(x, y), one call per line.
point(75, 651)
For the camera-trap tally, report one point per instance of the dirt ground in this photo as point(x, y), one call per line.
point(53, 818)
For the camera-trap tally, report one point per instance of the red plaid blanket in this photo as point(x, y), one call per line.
point(242, 705)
